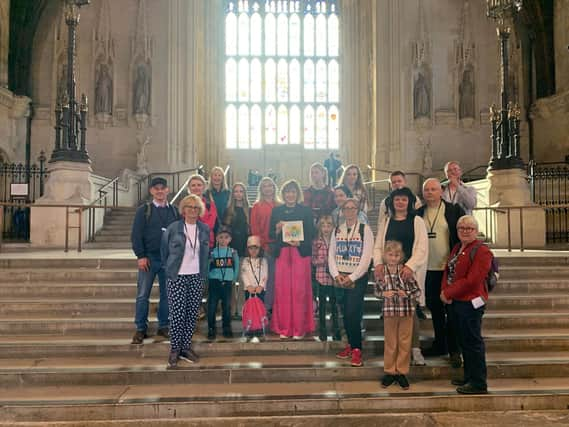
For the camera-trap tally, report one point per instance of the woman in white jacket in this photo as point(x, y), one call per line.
point(404, 226)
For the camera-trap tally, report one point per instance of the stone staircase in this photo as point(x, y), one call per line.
point(115, 233)
point(65, 357)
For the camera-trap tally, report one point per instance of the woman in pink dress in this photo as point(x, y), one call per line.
point(292, 307)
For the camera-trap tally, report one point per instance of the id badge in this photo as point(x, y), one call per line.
point(432, 235)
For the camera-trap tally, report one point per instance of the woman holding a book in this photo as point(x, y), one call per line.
point(291, 227)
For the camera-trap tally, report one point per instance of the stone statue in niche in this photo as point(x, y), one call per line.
point(141, 100)
point(103, 90)
point(466, 92)
point(421, 97)
point(142, 156)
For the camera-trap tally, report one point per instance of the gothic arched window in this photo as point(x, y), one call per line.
point(282, 73)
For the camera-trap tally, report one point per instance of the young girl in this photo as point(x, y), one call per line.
point(352, 178)
point(259, 224)
point(254, 270)
point(217, 190)
point(326, 290)
point(237, 218)
point(400, 298)
point(319, 196)
point(196, 185)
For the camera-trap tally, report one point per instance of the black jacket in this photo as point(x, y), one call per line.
point(297, 213)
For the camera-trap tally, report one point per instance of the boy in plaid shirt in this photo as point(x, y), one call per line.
point(400, 298)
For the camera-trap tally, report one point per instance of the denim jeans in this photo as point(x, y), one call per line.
point(144, 286)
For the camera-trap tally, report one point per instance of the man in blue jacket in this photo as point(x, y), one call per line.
point(150, 221)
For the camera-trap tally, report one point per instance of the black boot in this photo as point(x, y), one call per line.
point(211, 334)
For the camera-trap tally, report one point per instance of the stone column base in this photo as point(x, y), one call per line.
point(509, 188)
point(68, 184)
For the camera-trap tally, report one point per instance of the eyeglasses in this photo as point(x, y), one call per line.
point(465, 229)
point(194, 208)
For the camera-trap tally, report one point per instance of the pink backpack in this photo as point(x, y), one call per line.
point(254, 316)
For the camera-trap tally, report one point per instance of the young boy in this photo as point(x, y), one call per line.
point(224, 270)
point(400, 298)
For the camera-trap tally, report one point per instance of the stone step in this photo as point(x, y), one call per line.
point(112, 238)
point(75, 275)
point(118, 344)
point(99, 326)
point(114, 232)
point(336, 403)
point(72, 290)
point(107, 245)
point(127, 261)
point(122, 307)
point(115, 370)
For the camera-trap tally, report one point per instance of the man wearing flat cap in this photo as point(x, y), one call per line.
point(150, 221)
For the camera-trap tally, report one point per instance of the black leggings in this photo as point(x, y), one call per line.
point(353, 311)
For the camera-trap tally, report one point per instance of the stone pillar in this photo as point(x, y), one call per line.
point(561, 40)
point(509, 188)
point(69, 183)
point(4, 41)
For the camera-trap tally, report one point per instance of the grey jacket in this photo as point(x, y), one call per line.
point(174, 245)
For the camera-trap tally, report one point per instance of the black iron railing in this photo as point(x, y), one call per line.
point(20, 185)
point(549, 183)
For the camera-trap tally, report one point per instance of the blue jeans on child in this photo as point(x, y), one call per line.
point(144, 287)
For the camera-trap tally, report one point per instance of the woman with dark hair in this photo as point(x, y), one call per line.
point(403, 225)
point(292, 306)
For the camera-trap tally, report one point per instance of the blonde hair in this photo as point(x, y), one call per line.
point(230, 211)
point(223, 182)
point(260, 193)
point(324, 219)
point(192, 197)
point(393, 246)
point(319, 165)
point(469, 220)
point(290, 185)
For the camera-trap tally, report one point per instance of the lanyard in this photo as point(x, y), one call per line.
point(193, 244)
point(433, 223)
point(257, 278)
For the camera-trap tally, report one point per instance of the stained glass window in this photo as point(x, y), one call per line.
point(282, 73)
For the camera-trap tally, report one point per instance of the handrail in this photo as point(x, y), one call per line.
point(180, 191)
point(92, 220)
point(142, 193)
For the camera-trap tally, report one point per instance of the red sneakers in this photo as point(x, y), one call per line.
point(357, 358)
point(345, 353)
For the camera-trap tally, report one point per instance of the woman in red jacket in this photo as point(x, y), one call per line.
point(464, 288)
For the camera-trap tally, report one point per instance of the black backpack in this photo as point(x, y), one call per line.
point(493, 274)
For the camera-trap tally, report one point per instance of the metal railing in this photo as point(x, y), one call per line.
point(515, 236)
point(376, 191)
point(549, 186)
point(177, 180)
point(19, 186)
point(101, 202)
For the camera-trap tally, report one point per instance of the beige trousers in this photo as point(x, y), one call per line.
point(398, 333)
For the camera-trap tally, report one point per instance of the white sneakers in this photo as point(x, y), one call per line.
point(417, 358)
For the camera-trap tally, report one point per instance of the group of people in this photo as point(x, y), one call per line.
point(309, 252)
